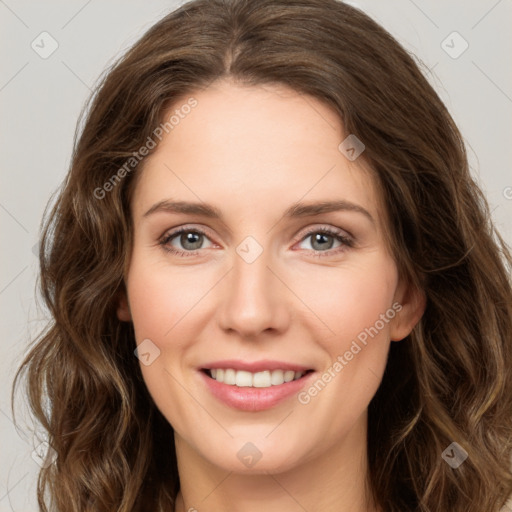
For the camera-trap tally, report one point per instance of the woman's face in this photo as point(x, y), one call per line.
point(263, 282)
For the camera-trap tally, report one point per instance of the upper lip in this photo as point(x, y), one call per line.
point(255, 366)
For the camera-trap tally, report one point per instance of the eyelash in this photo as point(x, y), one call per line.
point(347, 241)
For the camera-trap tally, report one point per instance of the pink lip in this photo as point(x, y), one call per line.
point(256, 366)
point(254, 399)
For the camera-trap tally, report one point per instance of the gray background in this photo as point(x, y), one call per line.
point(40, 100)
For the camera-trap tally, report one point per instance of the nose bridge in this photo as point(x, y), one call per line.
point(252, 302)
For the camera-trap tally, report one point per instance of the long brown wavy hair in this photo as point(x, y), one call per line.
point(449, 381)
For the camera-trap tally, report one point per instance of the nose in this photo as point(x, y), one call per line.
point(253, 299)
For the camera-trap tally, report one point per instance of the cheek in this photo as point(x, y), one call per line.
point(355, 308)
point(160, 297)
point(349, 300)
point(162, 303)
point(151, 304)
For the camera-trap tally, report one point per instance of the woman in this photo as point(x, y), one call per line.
point(325, 193)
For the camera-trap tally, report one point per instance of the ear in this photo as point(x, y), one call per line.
point(413, 302)
point(123, 308)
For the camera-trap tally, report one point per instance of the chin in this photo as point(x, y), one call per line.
point(251, 460)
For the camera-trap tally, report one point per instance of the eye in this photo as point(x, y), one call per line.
point(323, 239)
point(191, 240)
point(186, 241)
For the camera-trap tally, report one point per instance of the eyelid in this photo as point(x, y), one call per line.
point(334, 230)
point(186, 227)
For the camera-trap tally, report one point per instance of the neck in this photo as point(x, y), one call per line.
point(332, 481)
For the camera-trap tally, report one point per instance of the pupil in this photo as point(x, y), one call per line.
point(191, 238)
point(321, 237)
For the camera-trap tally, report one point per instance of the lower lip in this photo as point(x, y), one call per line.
point(254, 399)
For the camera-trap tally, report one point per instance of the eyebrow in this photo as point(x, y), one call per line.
point(295, 210)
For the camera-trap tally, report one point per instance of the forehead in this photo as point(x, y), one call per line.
point(257, 148)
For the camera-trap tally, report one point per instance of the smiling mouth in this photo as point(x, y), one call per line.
point(263, 379)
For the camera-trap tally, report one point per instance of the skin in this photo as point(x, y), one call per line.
point(252, 152)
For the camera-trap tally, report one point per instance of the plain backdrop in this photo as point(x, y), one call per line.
point(41, 99)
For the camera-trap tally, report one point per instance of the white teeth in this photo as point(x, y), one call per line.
point(277, 377)
point(242, 379)
point(261, 379)
point(264, 379)
point(230, 376)
point(289, 375)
